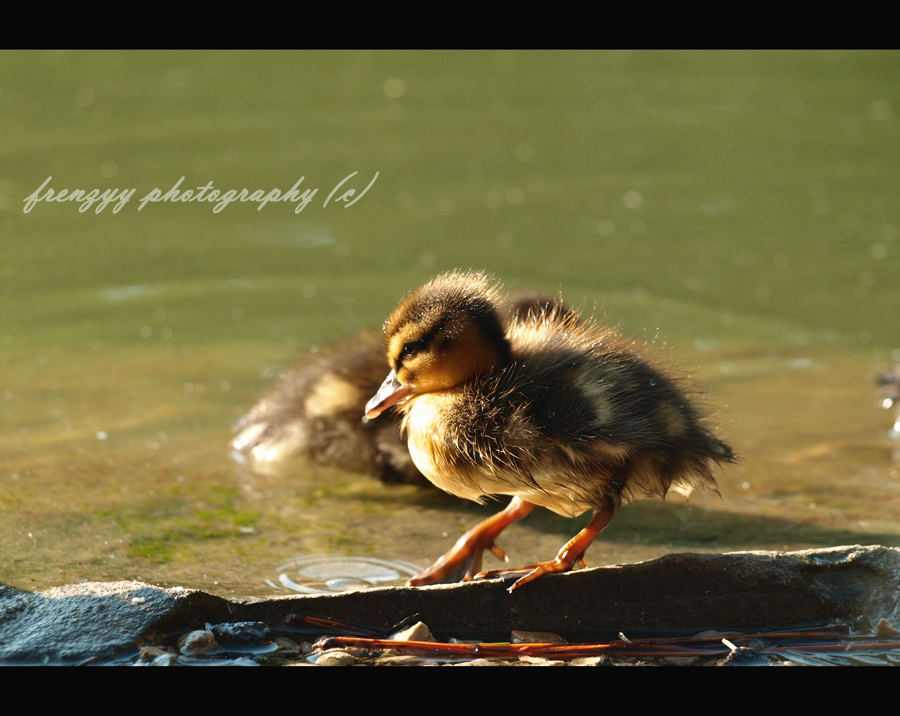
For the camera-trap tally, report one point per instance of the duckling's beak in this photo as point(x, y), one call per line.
point(391, 391)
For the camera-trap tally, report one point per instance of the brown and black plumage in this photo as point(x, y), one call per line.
point(315, 408)
point(554, 411)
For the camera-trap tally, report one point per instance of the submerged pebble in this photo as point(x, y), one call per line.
point(520, 636)
point(241, 633)
point(336, 657)
point(417, 632)
point(197, 642)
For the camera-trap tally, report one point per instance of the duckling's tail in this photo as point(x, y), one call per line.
point(722, 452)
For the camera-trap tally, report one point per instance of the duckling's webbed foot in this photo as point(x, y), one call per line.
point(570, 555)
point(463, 561)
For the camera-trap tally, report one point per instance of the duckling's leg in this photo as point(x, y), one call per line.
point(568, 557)
point(463, 561)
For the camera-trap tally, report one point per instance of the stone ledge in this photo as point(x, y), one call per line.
point(737, 591)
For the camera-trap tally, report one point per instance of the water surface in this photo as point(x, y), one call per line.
point(738, 210)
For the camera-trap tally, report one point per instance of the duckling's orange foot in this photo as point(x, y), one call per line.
point(571, 554)
point(463, 561)
point(460, 564)
point(532, 571)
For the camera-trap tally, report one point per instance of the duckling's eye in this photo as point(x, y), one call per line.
point(410, 349)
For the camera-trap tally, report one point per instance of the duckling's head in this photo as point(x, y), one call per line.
point(440, 336)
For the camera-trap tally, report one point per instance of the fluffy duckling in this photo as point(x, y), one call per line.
point(553, 411)
point(889, 395)
point(315, 408)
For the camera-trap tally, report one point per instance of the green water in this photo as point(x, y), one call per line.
point(740, 208)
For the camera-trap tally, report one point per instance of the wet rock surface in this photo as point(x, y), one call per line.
point(131, 622)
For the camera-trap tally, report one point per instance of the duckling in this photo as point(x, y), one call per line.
point(889, 395)
point(314, 408)
point(555, 411)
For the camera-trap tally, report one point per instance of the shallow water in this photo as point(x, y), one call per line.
point(737, 209)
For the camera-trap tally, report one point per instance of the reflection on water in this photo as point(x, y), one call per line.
point(739, 208)
point(324, 574)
